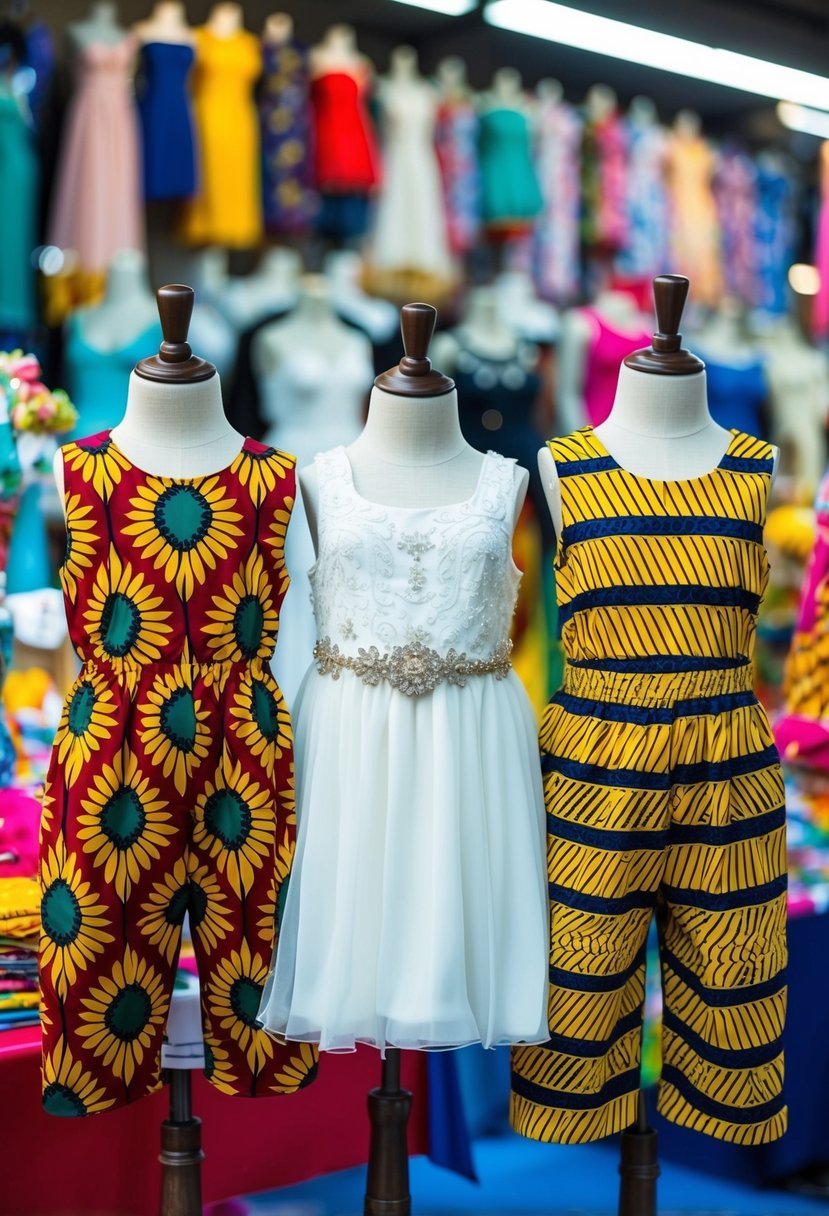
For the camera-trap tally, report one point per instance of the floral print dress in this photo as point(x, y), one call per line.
point(170, 787)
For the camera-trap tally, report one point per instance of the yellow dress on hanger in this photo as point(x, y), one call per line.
point(227, 209)
point(695, 237)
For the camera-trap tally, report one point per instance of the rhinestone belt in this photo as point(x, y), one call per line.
point(413, 669)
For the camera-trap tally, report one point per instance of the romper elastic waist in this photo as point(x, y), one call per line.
point(194, 668)
point(656, 688)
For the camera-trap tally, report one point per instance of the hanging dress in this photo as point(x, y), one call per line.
point(346, 155)
point(168, 140)
point(556, 255)
point(695, 231)
point(19, 202)
point(735, 190)
point(98, 380)
point(415, 916)
point(607, 349)
point(456, 144)
point(96, 195)
point(170, 785)
point(289, 198)
point(227, 209)
point(511, 198)
point(644, 252)
point(605, 168)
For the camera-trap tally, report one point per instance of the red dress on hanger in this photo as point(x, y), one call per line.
point(346, 156)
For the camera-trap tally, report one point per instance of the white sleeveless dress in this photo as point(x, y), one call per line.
point(417, 912)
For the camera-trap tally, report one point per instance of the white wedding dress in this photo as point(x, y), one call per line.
point(417, 912)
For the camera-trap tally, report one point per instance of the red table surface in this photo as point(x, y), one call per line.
point(107, 1165)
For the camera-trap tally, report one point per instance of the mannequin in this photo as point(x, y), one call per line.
point(225, 19)
point(507, 92)
point(580, 329)
point(128, 308)
point(482, 329)
point(273, 287)
point(550, 90)
point(166, 23)
point(338, 52)
point(452, 78)
point(378, 318)
point(100, 26)
point(737, 385)
point(798, 377)
point(519, 306)
point(278, 28)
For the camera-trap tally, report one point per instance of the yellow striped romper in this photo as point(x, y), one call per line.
point(664, 795)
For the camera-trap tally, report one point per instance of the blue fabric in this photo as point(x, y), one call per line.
point(736, 396)
point(449, 1142)
point(166, 121)
point(97, 381)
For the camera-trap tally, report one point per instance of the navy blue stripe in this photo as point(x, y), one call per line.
point(616, 1087)
point(602, 838)
point(724, 770)
point(724, 998)
point(725, 901)
point(597, 774)
point(662, 525)
point(600, 904)
point(594, 464)
point(576, 982)
point(723, 1057)
point(642, 715)
point(592, 1049)
point(746, 464)
point(720, 1110)
point(675, 594)
point(660, 663)
point(729, 833)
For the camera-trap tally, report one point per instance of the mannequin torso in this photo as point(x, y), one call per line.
point(127, 309)
point(101, 27)
point(578, 329)
point(166, 23)
point(659, 428)
point(410, 453)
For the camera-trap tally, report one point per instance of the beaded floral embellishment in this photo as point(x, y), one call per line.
point(414, 669)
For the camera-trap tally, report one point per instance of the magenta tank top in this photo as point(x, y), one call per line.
point(608, 348)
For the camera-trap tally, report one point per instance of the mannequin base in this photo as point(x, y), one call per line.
point(387, 1184)
point(181, 1155)
point(639, 1167)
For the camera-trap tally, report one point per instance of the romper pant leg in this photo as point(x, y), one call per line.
point(112, 863)
point(723, 934)
point(607, 816)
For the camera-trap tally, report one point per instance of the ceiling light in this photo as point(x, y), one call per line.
point(801, 118)
point(804, 279)
point(451, 8)
point(619, 40)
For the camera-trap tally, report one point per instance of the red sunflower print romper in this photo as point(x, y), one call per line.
point(170, 787)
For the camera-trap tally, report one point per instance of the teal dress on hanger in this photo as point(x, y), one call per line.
point(97, 381)
point(19, 186)
point(510, 192)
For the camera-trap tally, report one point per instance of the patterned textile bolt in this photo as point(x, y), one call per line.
point(664, 795)
point(170, 788)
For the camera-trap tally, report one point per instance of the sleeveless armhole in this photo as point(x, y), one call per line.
point(568, 453)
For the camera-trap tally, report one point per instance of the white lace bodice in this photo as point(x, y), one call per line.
point(392, 576)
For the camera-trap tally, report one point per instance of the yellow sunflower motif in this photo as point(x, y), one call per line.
point(68, 1089)
point(234, 825)
point(184, 527)
point(125, 823)
point(217, 1066)
point(233, 997)
point(287, 798)
point(174, 733)
point(259, 471)
point(98, 461)
point(125, 619)
point(278, 530)
point(124, 1014)
point(165, 910)
point(80, 545)
point(73, 922)
point(259, 716)
point(270, 912)
point(88, 716)
point(47, 813)
point(210, 917)
point(299, 1071)
point(244, 619)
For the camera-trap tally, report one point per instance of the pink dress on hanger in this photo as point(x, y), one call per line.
point(97, 206)
point(606, 352)
point(820, 314)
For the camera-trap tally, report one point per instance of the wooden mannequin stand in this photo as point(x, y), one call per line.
point(639, 1164)
point(387, 1185)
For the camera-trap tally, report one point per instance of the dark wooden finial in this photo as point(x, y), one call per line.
point(175, 362)
point(414, 375)
point(665, 356)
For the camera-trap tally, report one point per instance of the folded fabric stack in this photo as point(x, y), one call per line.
point(19, 929)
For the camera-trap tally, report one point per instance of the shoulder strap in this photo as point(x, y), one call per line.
point(497, 486)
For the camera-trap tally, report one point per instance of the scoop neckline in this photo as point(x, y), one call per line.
point(664, 481)
point(136, 468)
point(382, 506)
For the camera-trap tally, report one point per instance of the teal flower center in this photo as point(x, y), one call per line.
point(248, 623)
point(60, 913)
point(128, 1013)
point(120, 625)
point(227, 815)
point(80, 708)
point(245, 998)
point(178, 719)
point(209, 1061)
point(123, 818)
point(183, 516)
point(61, 1100)
point(176, 908)
point(265, 710)
point(198, 905)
